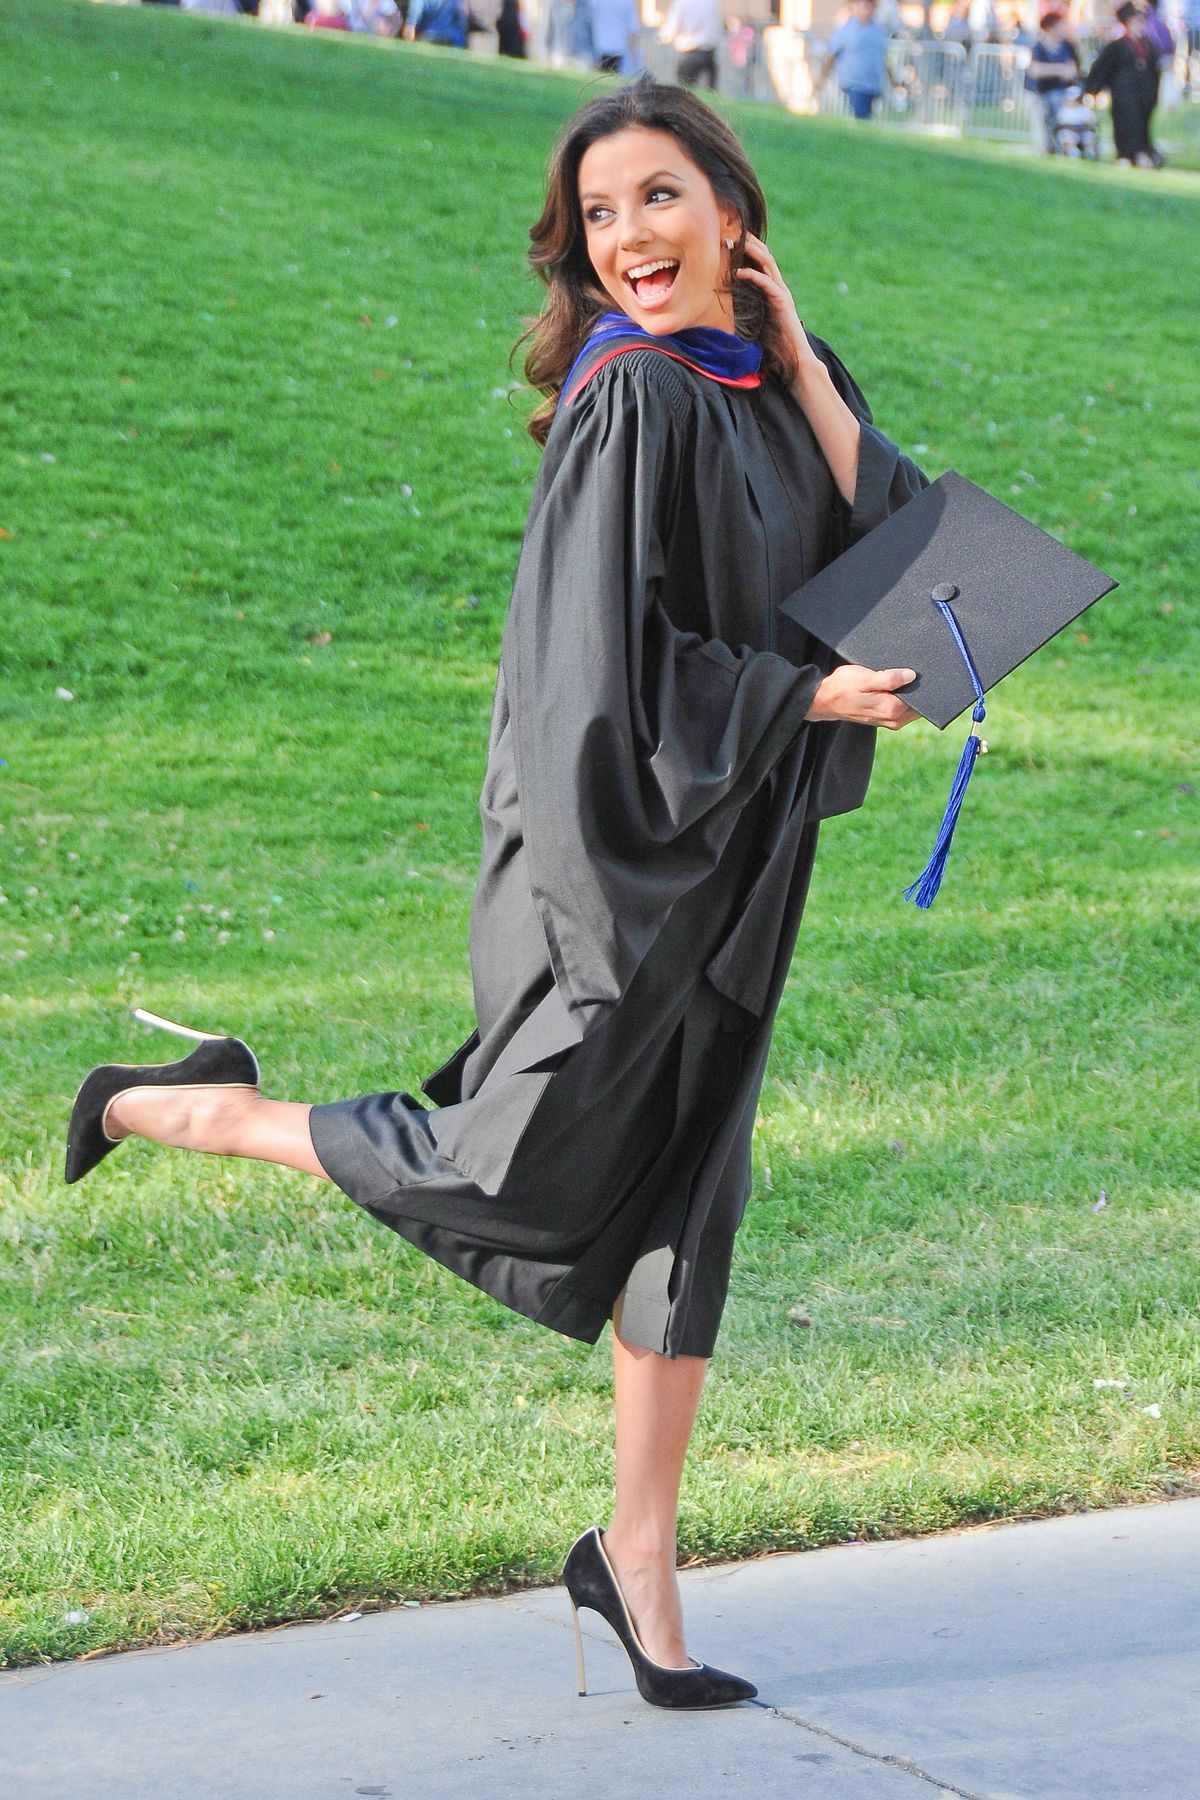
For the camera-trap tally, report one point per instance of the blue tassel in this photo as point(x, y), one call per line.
point(923, 891)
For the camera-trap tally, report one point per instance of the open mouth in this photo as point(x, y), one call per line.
point(652, 281)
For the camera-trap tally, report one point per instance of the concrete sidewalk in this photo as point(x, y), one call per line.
point(1055, 1660)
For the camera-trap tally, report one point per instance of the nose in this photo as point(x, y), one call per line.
point(634, 230)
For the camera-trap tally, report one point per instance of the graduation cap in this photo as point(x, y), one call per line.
point(959, 587)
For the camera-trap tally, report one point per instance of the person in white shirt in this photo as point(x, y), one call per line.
point(695, 28)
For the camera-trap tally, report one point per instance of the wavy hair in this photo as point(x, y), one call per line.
point(558, 249)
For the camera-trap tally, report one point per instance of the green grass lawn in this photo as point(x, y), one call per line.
point(263, 490)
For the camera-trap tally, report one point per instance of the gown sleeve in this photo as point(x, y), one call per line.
point(886, 479)
point(636, 743)
point(1101, 73)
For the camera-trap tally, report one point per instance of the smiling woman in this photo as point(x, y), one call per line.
point(663, 745)
point(668, 221)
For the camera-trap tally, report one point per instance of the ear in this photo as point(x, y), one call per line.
point(731, 223)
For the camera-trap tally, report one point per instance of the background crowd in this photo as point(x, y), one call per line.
point(1128, 55)
point(1129, 66)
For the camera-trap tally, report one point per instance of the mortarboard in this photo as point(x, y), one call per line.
point(959, 587)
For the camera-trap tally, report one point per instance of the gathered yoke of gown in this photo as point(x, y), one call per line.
point(650, 810)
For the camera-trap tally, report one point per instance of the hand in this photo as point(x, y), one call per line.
point(864, 696)
point(779, 295)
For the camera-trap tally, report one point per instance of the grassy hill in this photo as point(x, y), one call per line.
point(264, 481)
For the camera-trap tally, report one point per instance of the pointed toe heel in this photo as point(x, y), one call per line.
point(215, 1062)
point(590, 1580)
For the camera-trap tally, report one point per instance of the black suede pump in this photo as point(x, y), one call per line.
point(590, 1580)
point(215, 1062)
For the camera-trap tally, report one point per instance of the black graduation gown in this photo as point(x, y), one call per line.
point(1132, 81)
point(650, 812)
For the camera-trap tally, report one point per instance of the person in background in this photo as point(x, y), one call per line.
point(1159, 32)
point(1016, 32)
point(381, 18)
point(1163, 39)
point(1053, 68)
point(859, 49)
point(695, 28)
point(1189, 26)
point(985, 25)
point(437, 22)
point(615, 26)
point(580, 37)
point(1190, 17)
point(1128, 68)
point(958, 25)
point(512, 37)
point(324, 15)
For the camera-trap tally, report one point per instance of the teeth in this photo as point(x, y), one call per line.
point(649, 268)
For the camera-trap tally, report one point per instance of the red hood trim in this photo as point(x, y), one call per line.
point(733, 381)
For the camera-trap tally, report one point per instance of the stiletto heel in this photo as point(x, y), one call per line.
point(591, 1580)
point(215, 1062)
point(579, 1669)
point(183, 1031)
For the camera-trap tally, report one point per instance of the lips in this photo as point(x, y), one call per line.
point(653, 288)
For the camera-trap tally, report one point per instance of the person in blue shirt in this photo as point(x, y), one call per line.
point(615, 25)
point(859, 48)
point(438, 22)
point(1053, 68)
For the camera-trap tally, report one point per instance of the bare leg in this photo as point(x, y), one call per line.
point(224, 1121)
point(656, 1401)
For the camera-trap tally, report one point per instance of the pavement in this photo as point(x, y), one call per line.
point(1049, 1660)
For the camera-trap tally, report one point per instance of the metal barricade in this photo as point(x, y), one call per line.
point(740, 72)
point(928, 90)
point(998, 101)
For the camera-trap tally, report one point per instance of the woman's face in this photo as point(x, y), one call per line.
point(644, 203)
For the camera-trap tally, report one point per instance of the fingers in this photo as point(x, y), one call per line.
point(892, 712)
point(888, 712)
point(759, 250)
point(777, 295)
point(870, 696)
point(864, 697)
point(772, 284)
point(881, 680)
point(898, 715)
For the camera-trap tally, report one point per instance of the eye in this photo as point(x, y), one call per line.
point(670, 193)
point(592, 215)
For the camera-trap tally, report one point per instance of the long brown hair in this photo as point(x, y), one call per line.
point(558, 250)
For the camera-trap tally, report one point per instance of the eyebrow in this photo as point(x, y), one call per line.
point(645, 183)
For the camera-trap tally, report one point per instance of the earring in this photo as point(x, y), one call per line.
point(729, 243)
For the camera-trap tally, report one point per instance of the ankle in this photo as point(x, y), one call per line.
point(641, 1540)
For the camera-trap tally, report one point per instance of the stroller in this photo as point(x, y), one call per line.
point(1073, 132)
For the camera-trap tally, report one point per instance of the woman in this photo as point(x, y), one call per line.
point(1128, 68)
point(663, 745)
point(1053, 68)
